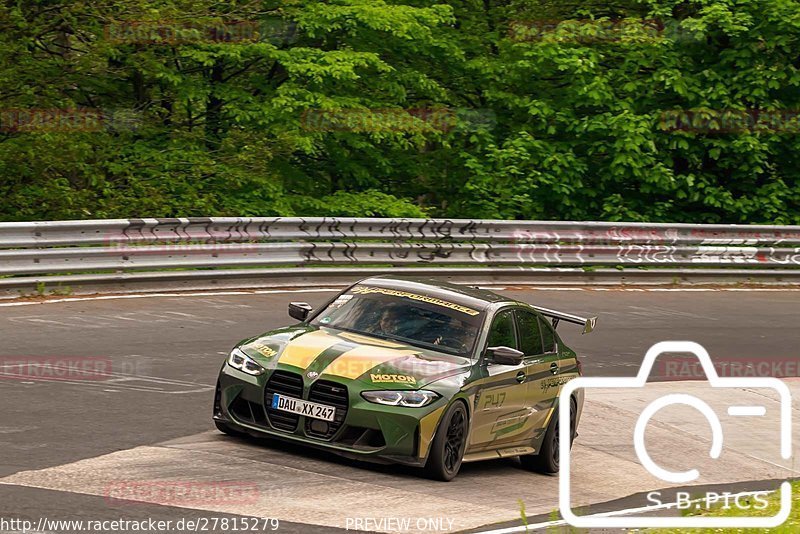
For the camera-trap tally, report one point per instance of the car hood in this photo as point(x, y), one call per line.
point(329, 352)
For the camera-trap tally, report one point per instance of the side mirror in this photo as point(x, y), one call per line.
point(506, 355)
point(299, 310)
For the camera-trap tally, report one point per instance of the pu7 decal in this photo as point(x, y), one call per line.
point(494, 400)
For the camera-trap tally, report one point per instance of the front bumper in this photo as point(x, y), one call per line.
point(367, 431)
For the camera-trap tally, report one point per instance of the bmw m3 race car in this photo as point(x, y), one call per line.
point(408, 371)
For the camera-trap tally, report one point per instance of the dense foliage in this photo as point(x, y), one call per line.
point(658, 110)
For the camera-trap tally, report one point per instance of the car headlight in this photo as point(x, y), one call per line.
point(239, 360)
point(411, 399)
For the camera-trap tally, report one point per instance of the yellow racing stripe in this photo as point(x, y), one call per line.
point(366, 340)
point(358, 361)
point(427, 428)
point(302, 351)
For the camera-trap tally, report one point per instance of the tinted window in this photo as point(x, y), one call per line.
point(502, 331)
point(420, 320)
point(530, 336)
point(548, 337)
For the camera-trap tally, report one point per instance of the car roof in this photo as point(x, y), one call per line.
point(464, 295)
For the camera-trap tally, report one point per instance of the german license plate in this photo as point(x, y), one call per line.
point(303, 407)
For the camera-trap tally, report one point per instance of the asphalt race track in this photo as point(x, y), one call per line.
point(67, 445)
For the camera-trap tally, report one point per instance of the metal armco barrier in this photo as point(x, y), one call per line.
point(245, 252)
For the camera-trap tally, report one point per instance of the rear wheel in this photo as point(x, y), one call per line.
point(547, 461)
point(447, 449)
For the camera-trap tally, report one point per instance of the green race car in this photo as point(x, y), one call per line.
point(410, 371)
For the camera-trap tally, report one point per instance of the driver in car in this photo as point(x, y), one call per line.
point(451, 333)
point(388, 322)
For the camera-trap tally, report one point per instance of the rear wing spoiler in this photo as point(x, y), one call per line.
point(557, 316)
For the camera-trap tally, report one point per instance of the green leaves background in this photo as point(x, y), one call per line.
point(559, 109)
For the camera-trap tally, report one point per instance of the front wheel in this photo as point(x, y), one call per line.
point(547, 461)
point(447, 449)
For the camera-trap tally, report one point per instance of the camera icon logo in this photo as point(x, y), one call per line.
point(675, 478)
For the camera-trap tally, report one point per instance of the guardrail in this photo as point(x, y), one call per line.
point(130, 254)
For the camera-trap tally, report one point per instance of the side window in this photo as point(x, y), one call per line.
point(502, 332)
point(548, 337)
point(530, 335)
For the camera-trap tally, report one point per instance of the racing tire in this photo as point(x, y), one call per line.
point(225, 429)
point(449, 444)
point(547, 461)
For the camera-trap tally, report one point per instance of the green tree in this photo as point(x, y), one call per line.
point(659, 110)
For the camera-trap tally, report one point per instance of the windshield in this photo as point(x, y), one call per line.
point(412, 318)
